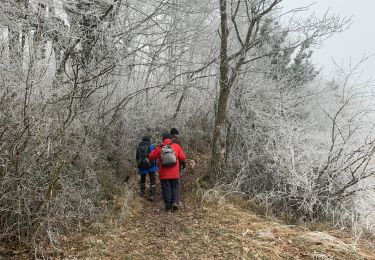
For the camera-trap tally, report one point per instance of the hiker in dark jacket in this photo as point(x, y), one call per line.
point(146, 167)
point(170, 156)
point(174, 136)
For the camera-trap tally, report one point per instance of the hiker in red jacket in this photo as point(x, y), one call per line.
point(170, 156)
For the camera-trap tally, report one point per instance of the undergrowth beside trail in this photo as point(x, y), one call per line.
point(209, 225)
point(214, 230)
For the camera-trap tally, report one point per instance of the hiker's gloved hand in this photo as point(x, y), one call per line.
point(183, 164)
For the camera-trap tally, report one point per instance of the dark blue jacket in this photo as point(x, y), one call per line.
point(154, 166)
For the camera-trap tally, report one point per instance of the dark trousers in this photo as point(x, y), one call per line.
point(152, 183)
point(170, 192)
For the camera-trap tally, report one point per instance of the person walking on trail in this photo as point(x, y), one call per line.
point(146, 167)
point(170, 156)
point(174, 136)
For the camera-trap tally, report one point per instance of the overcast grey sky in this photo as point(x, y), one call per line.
point(353, 43)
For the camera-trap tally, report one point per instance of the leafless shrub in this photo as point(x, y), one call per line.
point(308, 151)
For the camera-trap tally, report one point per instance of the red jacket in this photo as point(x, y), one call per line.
point(168, 172)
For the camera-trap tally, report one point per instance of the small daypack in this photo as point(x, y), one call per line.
point(143, 153)
point(168, 156)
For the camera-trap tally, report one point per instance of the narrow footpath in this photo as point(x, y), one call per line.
point(210, 231)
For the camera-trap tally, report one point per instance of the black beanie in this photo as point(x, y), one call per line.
point(174, 131)
point(166, 135)
point(146, 139)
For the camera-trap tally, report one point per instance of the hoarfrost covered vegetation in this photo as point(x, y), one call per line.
point(80, 81)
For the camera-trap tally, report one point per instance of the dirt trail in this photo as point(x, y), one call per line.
point(215, 231)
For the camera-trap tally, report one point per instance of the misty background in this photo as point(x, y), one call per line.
point(351, 45)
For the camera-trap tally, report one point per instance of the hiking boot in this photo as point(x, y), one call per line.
point(141, 194)
point(152, 190)
point(151, 198)
point(168, 208)
point(174, 206)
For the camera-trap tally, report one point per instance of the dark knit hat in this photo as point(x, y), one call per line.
point(166, 135)
point(174, 131)
point(146, 138)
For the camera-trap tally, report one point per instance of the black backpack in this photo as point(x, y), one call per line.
point(143, 151)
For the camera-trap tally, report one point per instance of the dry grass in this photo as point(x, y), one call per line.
point(213, 231)
point(220, 230)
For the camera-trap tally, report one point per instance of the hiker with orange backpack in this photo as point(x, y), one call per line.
point(170, 156)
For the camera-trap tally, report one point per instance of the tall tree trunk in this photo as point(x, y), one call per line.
point(14, 37)
point(25, 29)
point(219, 143)
point(39, 37)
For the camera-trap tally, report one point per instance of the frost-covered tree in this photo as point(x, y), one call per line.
point(245, 25)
